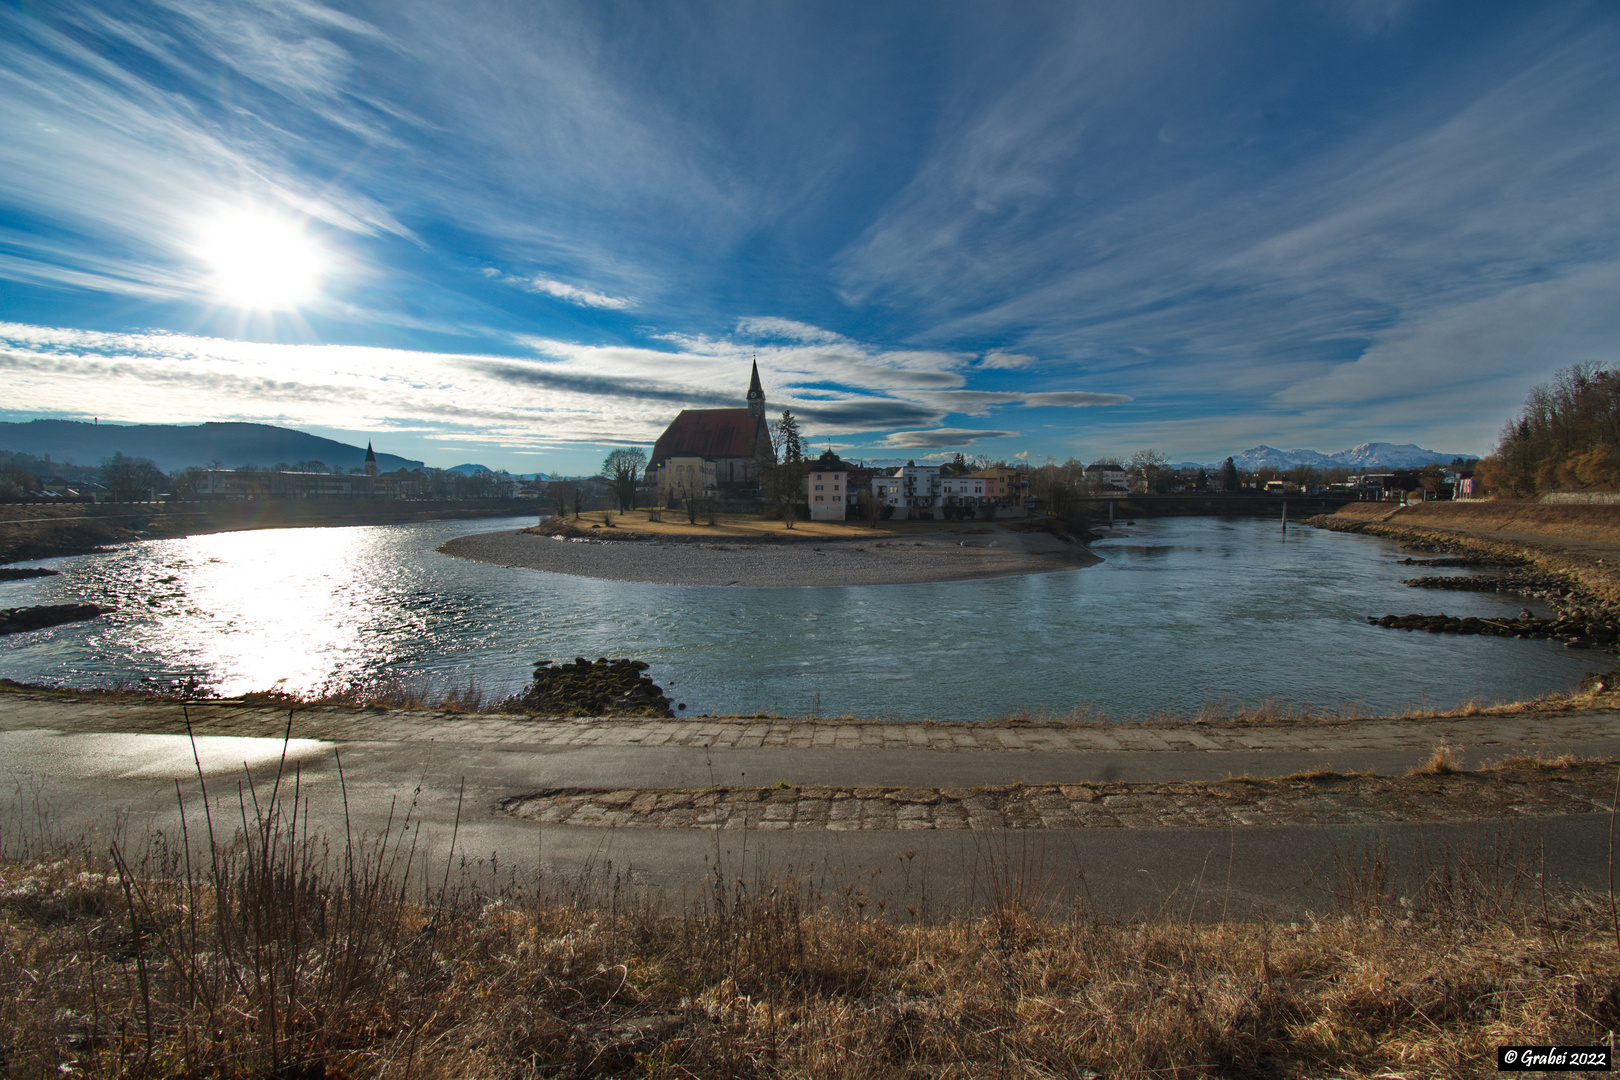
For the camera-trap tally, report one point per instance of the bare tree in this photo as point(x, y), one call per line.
point(622, 468)
point(1150, 467)
point(783, 483)
point(131, 478)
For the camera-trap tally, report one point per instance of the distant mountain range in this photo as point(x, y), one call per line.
point(1372, 455)
point(176, 446)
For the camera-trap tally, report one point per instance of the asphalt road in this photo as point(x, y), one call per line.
point(101, 787)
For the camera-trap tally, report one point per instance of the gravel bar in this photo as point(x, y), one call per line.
point(886, 559)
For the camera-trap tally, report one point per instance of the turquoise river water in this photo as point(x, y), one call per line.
point(1183, 612)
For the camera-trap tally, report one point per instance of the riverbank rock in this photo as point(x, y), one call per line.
point(21, 619)
point(594, 688)
point(8, 573)
point(1513, 579)
point(1577, 628)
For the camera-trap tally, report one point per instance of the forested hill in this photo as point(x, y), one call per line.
point(174, 446)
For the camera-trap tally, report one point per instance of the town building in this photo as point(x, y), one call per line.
point(683, 478)
point(961, 490)
point(1109, 475)
point(1006, 487)
point(734, 441)
point(826, 488)
point(913, 490)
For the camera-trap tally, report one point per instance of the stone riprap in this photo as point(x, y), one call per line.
point(594, 688)
point(1577, 629)
point(882, 559)
point(1321, 799)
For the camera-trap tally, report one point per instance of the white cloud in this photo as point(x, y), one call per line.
point(939, 437)
point(980, 402)
point(772, 327)
point(575, 295)
point(1005, 361)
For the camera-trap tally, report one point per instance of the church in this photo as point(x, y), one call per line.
point(728, 441)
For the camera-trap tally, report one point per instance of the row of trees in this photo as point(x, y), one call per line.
point(124, 478)
point(1566, 438)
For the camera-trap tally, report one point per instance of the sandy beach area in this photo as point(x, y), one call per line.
point(885, 559)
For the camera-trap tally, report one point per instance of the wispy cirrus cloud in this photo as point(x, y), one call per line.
point(770, 327)
point(584, 297)
point(1209, 227)
point(572, 294)
point(940, 438)
point(564, 394)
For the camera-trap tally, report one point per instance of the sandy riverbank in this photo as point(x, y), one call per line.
point(982, 551)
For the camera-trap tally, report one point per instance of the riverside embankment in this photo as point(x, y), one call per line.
point(1574, 549)
point(32, 531)
point(1142, 807)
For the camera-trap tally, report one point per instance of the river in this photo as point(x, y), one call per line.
point(1183, 612)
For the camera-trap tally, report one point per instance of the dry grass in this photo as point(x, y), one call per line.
point(276, 954)
point(1541, 762)
point(752, 527)
point(1442, 761)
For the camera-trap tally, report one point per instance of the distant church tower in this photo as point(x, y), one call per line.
point(371, 461)
point(756, 394)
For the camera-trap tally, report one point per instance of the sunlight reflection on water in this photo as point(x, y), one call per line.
point(1186, 611)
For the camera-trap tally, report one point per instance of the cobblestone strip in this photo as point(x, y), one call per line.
point(1351, 799)
point(1525, 730)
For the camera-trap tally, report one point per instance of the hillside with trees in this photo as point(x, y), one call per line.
point(1567, 438)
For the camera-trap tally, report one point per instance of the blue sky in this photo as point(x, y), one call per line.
point(524, 233)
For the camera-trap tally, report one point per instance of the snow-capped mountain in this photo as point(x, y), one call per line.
point(1372, 455)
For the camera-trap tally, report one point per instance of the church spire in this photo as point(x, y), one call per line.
point(371, 461)
point(756, 393)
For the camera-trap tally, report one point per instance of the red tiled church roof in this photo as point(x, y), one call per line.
point(712, 433)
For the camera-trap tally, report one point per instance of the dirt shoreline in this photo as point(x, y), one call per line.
point(918, 558)
point(1589, 562)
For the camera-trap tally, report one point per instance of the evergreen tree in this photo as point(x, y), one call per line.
point(785, 482)
point(787, 433)
point(1229, 476)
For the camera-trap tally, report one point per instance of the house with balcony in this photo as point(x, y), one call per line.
point(912, 490)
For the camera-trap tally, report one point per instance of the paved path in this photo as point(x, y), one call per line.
point(1477, 734)
point(95, 770)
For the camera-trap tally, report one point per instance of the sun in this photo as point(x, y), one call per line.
point(261, 260)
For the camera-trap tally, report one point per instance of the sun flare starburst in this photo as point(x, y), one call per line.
point(261, 260)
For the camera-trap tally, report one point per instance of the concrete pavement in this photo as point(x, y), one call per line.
point(100, 769)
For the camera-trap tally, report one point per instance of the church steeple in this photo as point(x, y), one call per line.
point(371, 461)
point(756, 393)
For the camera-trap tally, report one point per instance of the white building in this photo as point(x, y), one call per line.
point(826, 488)
point(1108, 474)
point(962, 490)
point(913, 490)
